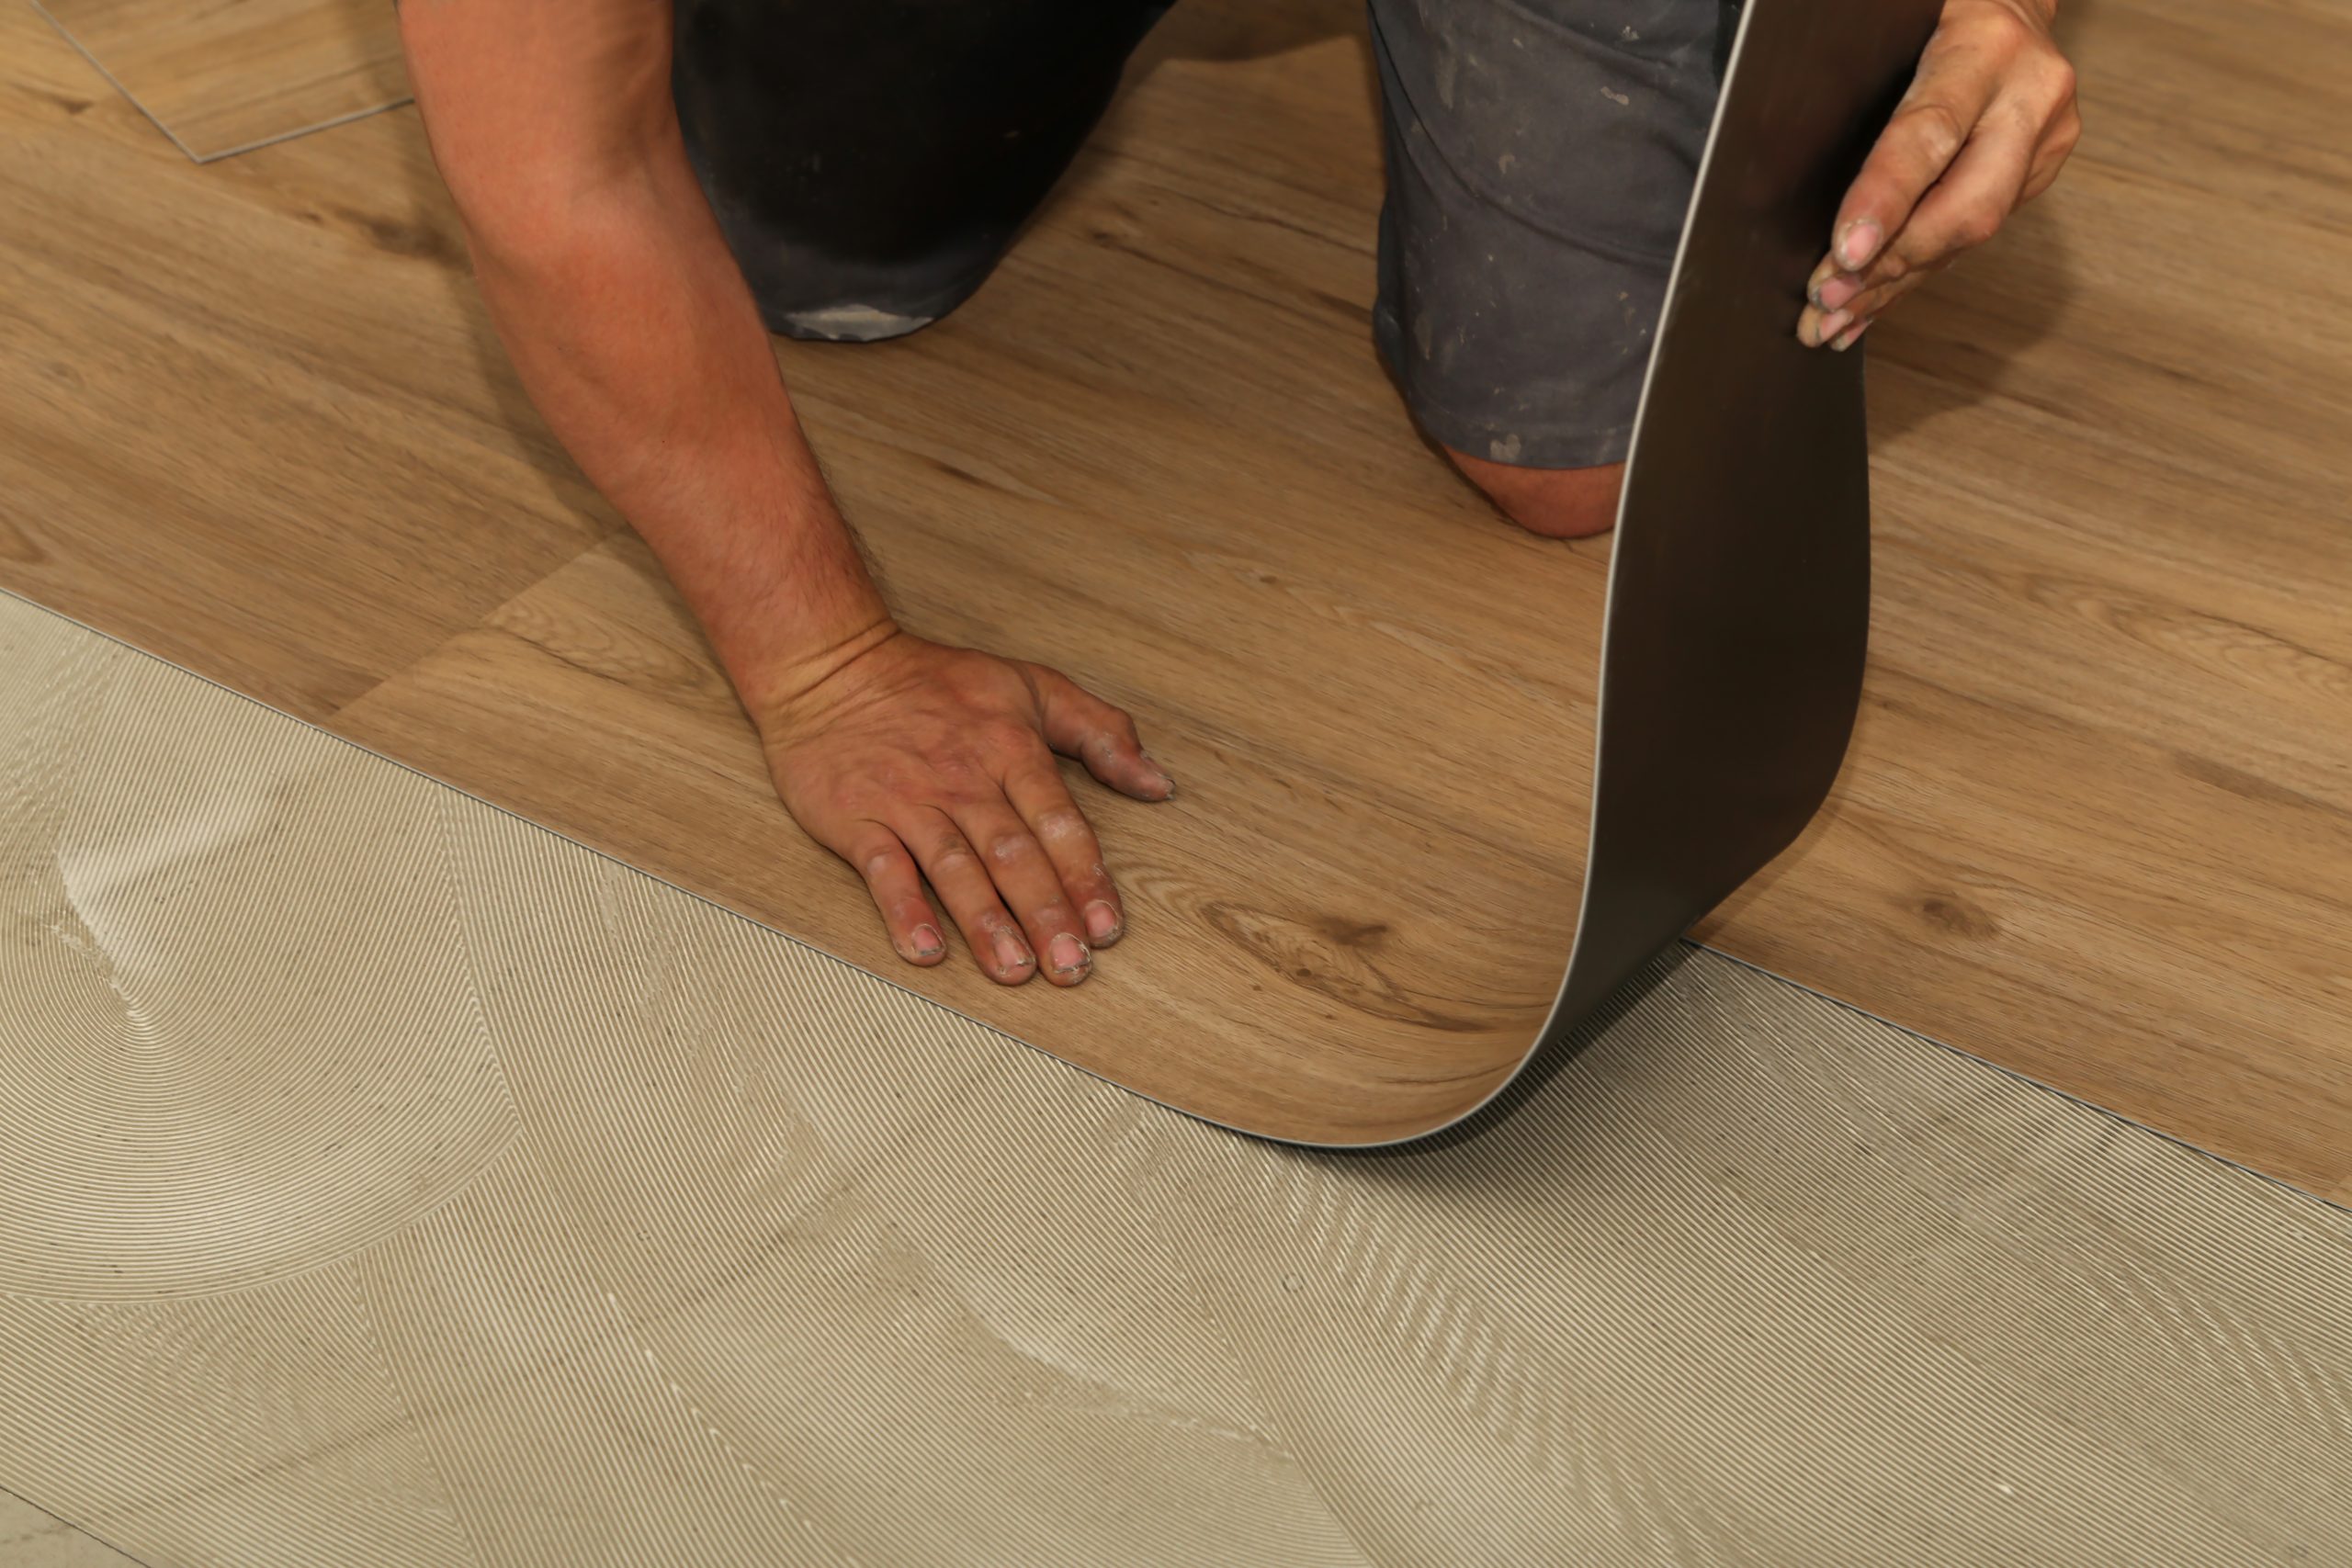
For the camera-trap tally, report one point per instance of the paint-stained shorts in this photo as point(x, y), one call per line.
point(870, 161)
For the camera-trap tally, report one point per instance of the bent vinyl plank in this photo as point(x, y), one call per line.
point(393, 1182)
point(1157, 452)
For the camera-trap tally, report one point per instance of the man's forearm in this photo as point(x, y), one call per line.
point(620, 305)
point(640, 343)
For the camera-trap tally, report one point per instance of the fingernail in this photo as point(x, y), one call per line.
point(1858, 243)
point(1160, 776)
point(1837, 291)
point(1012, 953)
point(1101, 922)
point(928, 941)
point(1830, 325)
point(1069, 954)
point(1855, 336)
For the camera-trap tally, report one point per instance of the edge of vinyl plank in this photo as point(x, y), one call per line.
point(73, 1545)
point(113, 80)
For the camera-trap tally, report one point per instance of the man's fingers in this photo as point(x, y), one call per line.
point(1929, 127)
point(890, 875)
point(961, 879)
point(2056, 146)
point(1841, 329)
point(1026, 881)
point(1037, 794)
point(1976, 195)
point(1987, 124)
point(1878, 240)
point(1967, 208)
point(1079, 724)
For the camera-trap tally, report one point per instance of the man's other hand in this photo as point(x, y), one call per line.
point(1987, 124)
point(916, 760)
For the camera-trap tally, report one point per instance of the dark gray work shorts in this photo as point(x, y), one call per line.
point(870, 161)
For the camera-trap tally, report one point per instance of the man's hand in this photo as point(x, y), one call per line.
point(914, 755)
point(1988, 122)
point(612, 286)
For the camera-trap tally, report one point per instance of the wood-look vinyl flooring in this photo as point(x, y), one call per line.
point(2094, 825)
point(221, 78)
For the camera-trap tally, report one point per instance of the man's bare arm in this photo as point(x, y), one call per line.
point(615, 296)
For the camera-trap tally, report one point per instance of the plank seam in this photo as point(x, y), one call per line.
point(192, 154)
point(115, 81)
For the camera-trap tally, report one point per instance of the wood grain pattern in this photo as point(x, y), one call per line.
point(225, 77)
point(2097, 825)
point(226, 429)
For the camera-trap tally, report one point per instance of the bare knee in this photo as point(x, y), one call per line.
point(1559, 503)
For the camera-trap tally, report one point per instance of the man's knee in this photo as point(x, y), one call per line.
point(1559, 503)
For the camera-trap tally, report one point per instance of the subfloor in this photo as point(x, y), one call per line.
point(31, 1538)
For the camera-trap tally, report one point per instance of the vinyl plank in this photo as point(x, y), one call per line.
point(222, 77)
point(1338, 652)
point(225, 435)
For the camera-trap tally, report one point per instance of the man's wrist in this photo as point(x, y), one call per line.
point(779, 682)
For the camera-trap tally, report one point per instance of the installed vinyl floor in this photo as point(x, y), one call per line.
point(220, 79)
point(2095, 827)
point(395, 1182)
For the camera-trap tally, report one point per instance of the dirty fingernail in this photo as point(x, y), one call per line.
point(1854, 336)
point(1069, 954)
point(1159, 776)
point(1830, 325)
point(1834, 293)
point(1858, 244)
point(1101, 922)
point(928, 942)
point(1012, 953)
